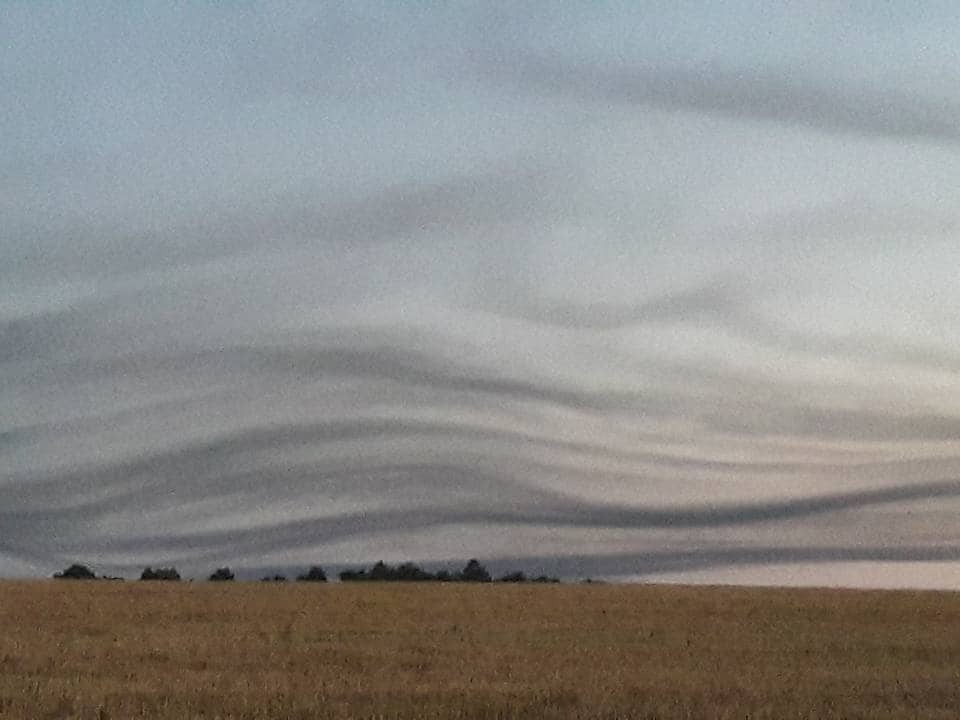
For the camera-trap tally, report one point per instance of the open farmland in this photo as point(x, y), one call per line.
point(260, 650)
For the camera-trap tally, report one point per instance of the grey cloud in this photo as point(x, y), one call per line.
point(716, 298)
point(871, 348)
point(409, 367)
point(255, 461)
point(541, 508)
point(210, 465)
point(312, 217)
point(837, 106)
point(722, 303)
point(867, 223)
point(744, 405)
point(202, 459)
point(457, 201)
point(838, 424)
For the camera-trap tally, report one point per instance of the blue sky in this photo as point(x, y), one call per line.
point(577, 284)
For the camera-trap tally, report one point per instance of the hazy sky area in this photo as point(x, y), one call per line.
point(636, 290)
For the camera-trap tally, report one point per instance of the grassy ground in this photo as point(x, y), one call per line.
point(239, 650)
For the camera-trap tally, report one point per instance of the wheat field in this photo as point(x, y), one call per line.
point(263, 650)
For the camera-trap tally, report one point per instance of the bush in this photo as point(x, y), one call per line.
point(474, 572)
point(519, 577)
point(221, 575)
point(514, 577)
point(314, 574)
point(410, 572)
point(76, 572)
point(274, 578)
point(167, 573)
point(381, 572)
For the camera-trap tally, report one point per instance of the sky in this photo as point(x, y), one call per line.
point(659, 291)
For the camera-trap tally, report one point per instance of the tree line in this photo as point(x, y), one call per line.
point(473, 571)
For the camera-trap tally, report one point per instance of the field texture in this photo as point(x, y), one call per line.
point(252, 650)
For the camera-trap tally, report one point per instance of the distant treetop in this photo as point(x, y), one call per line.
point(474, 572)
point(223, 574)
point(314, 574)
point(410, 572)
point(76, 572)
point(167, 573)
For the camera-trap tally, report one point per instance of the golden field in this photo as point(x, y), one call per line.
point(263, 650)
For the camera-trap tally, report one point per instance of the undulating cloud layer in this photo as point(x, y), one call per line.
point(630, 290)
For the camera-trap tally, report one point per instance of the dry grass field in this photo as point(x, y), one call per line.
point(259, 650)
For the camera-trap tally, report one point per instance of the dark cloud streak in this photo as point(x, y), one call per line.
point(541, 509)
point(837, 107)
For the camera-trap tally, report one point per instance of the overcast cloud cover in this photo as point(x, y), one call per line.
point(659, 290)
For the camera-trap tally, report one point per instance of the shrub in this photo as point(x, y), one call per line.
point(381, 572)
point(409, 572)
point(76, 572)
point(314, 574)
point(167, 573)
point(221, 575)
point(545, 579)
point(474, 572)
point(514, 577)
point(274, 578)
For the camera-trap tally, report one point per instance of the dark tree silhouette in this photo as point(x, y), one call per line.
point(514, 577)
point(381, 572)
point(76, 572)
point(409, 572)
point(221, 575)
point(168, 573)
point(314, 574)
point(474, 572)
